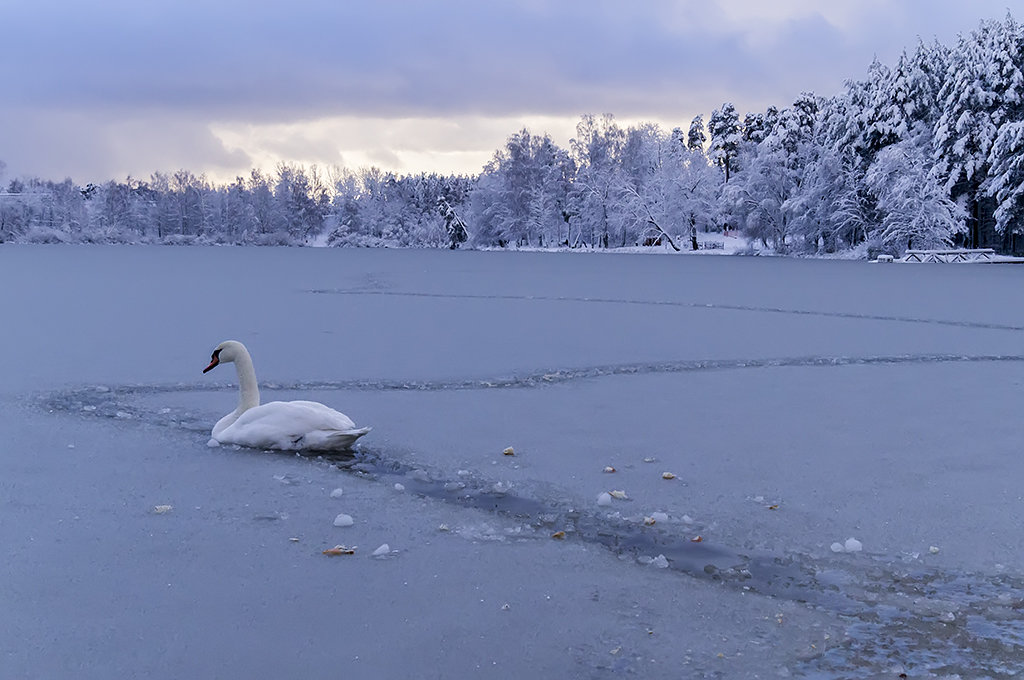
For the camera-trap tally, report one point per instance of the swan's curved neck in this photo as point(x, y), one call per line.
point(249, 391)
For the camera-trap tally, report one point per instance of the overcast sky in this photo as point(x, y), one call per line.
point(103, 89)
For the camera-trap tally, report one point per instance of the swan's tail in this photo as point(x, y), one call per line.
point(333, 440)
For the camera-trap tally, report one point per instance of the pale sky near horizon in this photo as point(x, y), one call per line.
point(107, 89)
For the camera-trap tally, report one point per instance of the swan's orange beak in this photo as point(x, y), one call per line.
point(216, 360)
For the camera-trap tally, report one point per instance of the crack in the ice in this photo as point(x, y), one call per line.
point(90, 394)
point(681, 303)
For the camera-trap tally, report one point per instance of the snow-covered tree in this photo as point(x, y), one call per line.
point(726, 136)
point(521, 196)
point(695, 138)
point(916, 210)
point(596, 151)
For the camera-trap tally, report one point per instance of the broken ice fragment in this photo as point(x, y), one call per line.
point(343, 520)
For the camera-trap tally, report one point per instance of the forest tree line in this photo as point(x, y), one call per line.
point(928, 152)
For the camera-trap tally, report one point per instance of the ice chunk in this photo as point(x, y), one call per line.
point(661, 562)
point(343, 520)
point(604, 498)
point(399, 487)
point(659, 516)
point(621, 495)
point(384, 549)
point(338, 493)
point(686, 519)
point(851, 545)
point(934, 550)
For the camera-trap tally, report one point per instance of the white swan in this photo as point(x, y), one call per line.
point(284, 425)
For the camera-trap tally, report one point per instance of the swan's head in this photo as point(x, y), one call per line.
point(226, 352)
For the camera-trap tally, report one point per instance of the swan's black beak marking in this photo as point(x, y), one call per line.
point(215, 359)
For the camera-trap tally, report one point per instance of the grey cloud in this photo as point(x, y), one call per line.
point(117, 64)
point(90, 147)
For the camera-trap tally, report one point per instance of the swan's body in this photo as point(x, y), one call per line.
point(284, 425)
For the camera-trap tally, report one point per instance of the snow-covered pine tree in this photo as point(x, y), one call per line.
point(725, 133)
point(695, 137)
point(967, 128)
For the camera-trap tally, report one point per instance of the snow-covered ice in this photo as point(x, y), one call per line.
point(856, 400)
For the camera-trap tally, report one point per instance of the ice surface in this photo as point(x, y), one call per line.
point(878, 402)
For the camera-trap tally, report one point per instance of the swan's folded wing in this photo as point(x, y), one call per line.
point(332, 440)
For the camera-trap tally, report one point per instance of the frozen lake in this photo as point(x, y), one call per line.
point(798, 403)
